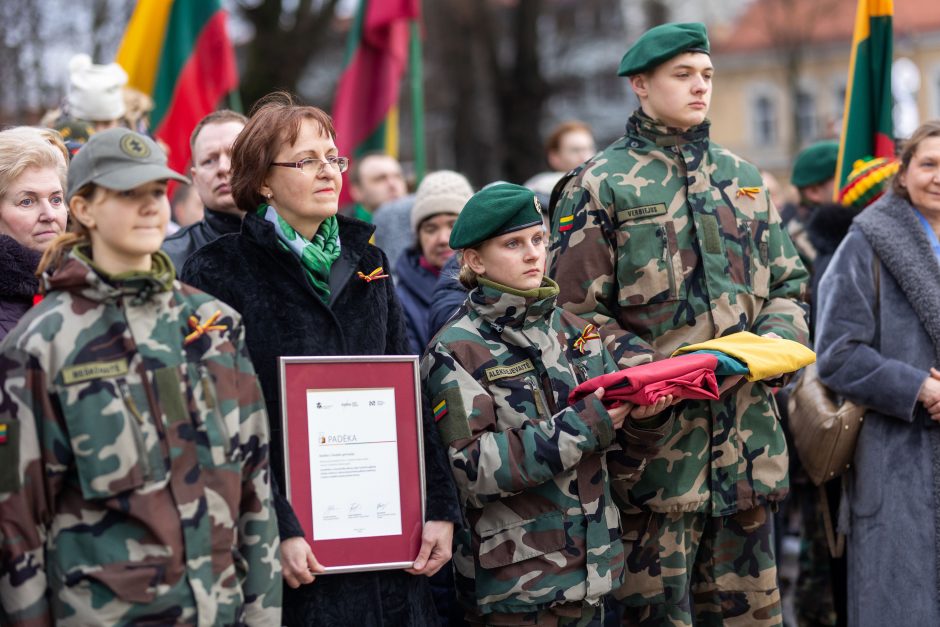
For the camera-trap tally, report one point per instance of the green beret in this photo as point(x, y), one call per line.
point(495, 210)
point(815, 164)
point(661, 43)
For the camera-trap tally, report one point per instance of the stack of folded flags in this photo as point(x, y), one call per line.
point(691, 372)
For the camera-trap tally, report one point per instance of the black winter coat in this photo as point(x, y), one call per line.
point(826, 228)
point(283, 315)
point(18, 283)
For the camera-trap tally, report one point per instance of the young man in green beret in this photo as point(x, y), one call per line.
point(661, 240)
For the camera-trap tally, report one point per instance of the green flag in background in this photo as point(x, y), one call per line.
point(867, 129)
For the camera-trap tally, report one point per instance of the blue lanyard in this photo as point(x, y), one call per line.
point(931, 234)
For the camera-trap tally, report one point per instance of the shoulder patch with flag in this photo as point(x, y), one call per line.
point(452, 420)
point(565, 223)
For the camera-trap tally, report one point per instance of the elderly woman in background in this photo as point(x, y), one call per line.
point(32, 213)
point(307, 282)
point(878, 343)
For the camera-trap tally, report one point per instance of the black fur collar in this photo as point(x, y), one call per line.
point(17, 267)
point(828, 225)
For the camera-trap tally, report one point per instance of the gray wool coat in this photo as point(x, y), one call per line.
point(879, 354)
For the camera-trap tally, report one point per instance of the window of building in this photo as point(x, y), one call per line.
point(805, 116)
point(838, 102)
point(935, 91)
point(764, 115)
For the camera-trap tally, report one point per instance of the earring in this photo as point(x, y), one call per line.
point(269, 196)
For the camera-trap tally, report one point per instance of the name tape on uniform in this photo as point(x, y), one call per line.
point(501, 372)
point(94, 370)
point(645, 211)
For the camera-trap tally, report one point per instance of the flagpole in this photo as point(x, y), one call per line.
point(417, 100)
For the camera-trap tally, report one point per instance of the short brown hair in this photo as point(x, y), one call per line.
point(275, 119)
point(928, 129)
point(216, 117)
point(553, 143)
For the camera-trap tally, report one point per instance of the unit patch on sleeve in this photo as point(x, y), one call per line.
point(449, 414)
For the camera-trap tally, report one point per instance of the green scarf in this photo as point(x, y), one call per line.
point(315, 256)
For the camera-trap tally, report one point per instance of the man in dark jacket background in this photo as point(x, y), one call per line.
point(211, 143)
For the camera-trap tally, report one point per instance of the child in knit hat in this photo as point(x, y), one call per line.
point(438, 202)
point(95, 92)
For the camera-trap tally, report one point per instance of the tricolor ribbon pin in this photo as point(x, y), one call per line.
point(374, 275)
point(750, 192)
point(589, 333)
point(201, 328)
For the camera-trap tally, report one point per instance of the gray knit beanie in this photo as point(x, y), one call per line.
point(443, 191)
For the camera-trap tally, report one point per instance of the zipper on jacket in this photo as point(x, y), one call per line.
point(135, 426)
point(538, 397)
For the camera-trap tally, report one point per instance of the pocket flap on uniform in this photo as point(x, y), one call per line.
point(133, 582)
point(523, 541)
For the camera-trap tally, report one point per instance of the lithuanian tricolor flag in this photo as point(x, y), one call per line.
point(384, 37)
point(179, 52)
point(867, 127)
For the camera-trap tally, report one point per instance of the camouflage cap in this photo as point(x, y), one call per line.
point(815, 164)
point(118, 159)
point(661, 43)
point(495, 210)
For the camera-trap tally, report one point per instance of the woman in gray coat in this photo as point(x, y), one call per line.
point(878, 344)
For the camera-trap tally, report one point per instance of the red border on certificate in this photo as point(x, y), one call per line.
point(300, 374)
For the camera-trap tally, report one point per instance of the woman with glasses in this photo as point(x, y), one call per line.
point(307, 282)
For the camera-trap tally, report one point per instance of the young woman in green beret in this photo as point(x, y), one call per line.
point(542, 545)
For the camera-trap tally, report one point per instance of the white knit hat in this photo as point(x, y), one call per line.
point(443, 191)
point(95, 90)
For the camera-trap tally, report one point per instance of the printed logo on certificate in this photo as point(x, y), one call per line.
point(354, 481)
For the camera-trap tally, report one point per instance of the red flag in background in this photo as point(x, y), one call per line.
point(365, 112)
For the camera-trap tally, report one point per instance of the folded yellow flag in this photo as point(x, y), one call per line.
point(765, 357)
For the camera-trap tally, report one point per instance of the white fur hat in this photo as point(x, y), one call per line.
point(443, 191)
point(95, 90)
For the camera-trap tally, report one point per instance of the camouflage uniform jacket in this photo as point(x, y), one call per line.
point(134, 483)
point(531, 470)
point(664, 239)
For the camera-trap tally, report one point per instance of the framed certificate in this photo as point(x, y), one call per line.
point(354, 458)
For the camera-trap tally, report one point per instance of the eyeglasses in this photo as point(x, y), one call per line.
point(316, 165)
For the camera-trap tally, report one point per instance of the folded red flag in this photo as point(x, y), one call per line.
point(685, 377)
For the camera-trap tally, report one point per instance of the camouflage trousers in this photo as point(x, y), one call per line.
point(688, 568)
point(565, 615)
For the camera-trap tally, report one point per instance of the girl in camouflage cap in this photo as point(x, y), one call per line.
point(134, 478)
